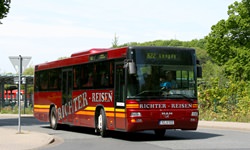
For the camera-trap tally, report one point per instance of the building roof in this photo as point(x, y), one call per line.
point(12, 79)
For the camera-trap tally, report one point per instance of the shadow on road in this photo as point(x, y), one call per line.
point(135, 136)
point(143, 136)
point(25, 121)
point(170, 135)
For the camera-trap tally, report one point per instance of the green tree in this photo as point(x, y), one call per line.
point(29, 71)
point(228, 43)
point(239, 66)
point(115, 42)
point(4, 8)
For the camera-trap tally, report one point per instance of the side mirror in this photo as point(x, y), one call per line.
point(130, 65)
point(199, 71)
point(131, 68)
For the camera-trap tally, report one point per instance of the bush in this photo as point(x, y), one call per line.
point(14, 110)
point(228, 101)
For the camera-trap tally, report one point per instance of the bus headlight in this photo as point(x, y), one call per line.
point(135, 114)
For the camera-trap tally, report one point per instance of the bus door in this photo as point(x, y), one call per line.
point(67, 95)
point(120, 96)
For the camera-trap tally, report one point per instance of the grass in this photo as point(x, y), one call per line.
point(230, 117)
point(14, 110)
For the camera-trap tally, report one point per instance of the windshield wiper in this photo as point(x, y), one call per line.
point(149, 93)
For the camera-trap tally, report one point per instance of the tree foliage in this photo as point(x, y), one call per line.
point(196, 43)
point(4, 8)
point(115, 42)
point(225, 95)
point(29, 70)
point(228, 43)
point(239, 66)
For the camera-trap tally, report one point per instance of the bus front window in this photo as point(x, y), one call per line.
point(155, 80)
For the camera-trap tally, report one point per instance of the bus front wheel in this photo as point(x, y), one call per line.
point(160, 132)
point(53, 118)
point(102, 123)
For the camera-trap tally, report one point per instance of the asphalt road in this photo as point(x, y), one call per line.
point(85, 138)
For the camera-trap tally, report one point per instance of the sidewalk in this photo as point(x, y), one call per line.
point(10, 139)
point(26, 140)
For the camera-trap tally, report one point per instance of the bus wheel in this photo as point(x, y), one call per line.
point(53, 118)
point(102, 123)
point(160, 132)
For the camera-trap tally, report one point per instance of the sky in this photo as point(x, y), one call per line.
point(47, 30)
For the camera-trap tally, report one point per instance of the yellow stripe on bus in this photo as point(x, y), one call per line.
point(120, 110)
point(120, 115)
point(90, 108)
point(109, 109)
point(132, 105)
point(42, 106)
point(90, 113)
point(109, 114)
point(41, 110)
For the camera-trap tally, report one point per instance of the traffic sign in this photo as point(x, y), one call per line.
point(19, 63)
point(15, 62)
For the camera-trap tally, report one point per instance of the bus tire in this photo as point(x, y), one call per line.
point(102, 123)
point(160, 132)
point(53, 119)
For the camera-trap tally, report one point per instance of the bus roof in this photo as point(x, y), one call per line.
point(89, 52)
point(96, 54)
point(83, 57)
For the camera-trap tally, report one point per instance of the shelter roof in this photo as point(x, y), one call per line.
point(9, 78)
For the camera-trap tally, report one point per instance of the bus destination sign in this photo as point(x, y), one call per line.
point(169, 56)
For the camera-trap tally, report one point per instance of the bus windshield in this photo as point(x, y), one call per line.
point(162, 74)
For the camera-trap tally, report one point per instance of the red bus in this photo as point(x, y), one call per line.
point(120, 89)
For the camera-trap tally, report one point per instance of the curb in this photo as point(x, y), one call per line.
point(15, 115)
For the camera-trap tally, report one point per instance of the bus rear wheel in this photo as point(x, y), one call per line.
point(53, 118)
point(102, 123)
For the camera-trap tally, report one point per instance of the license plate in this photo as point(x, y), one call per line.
point(166, 122)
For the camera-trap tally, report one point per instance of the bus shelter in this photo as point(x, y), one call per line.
point(9, 87)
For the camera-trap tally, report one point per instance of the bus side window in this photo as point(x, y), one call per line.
point(111, 75)
point(78, 77)
point(37, 81)
point(89, 80)
point(104, 79)
point(88, 75)
point(54, 79)
point(44, 80)
point(103, 76)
